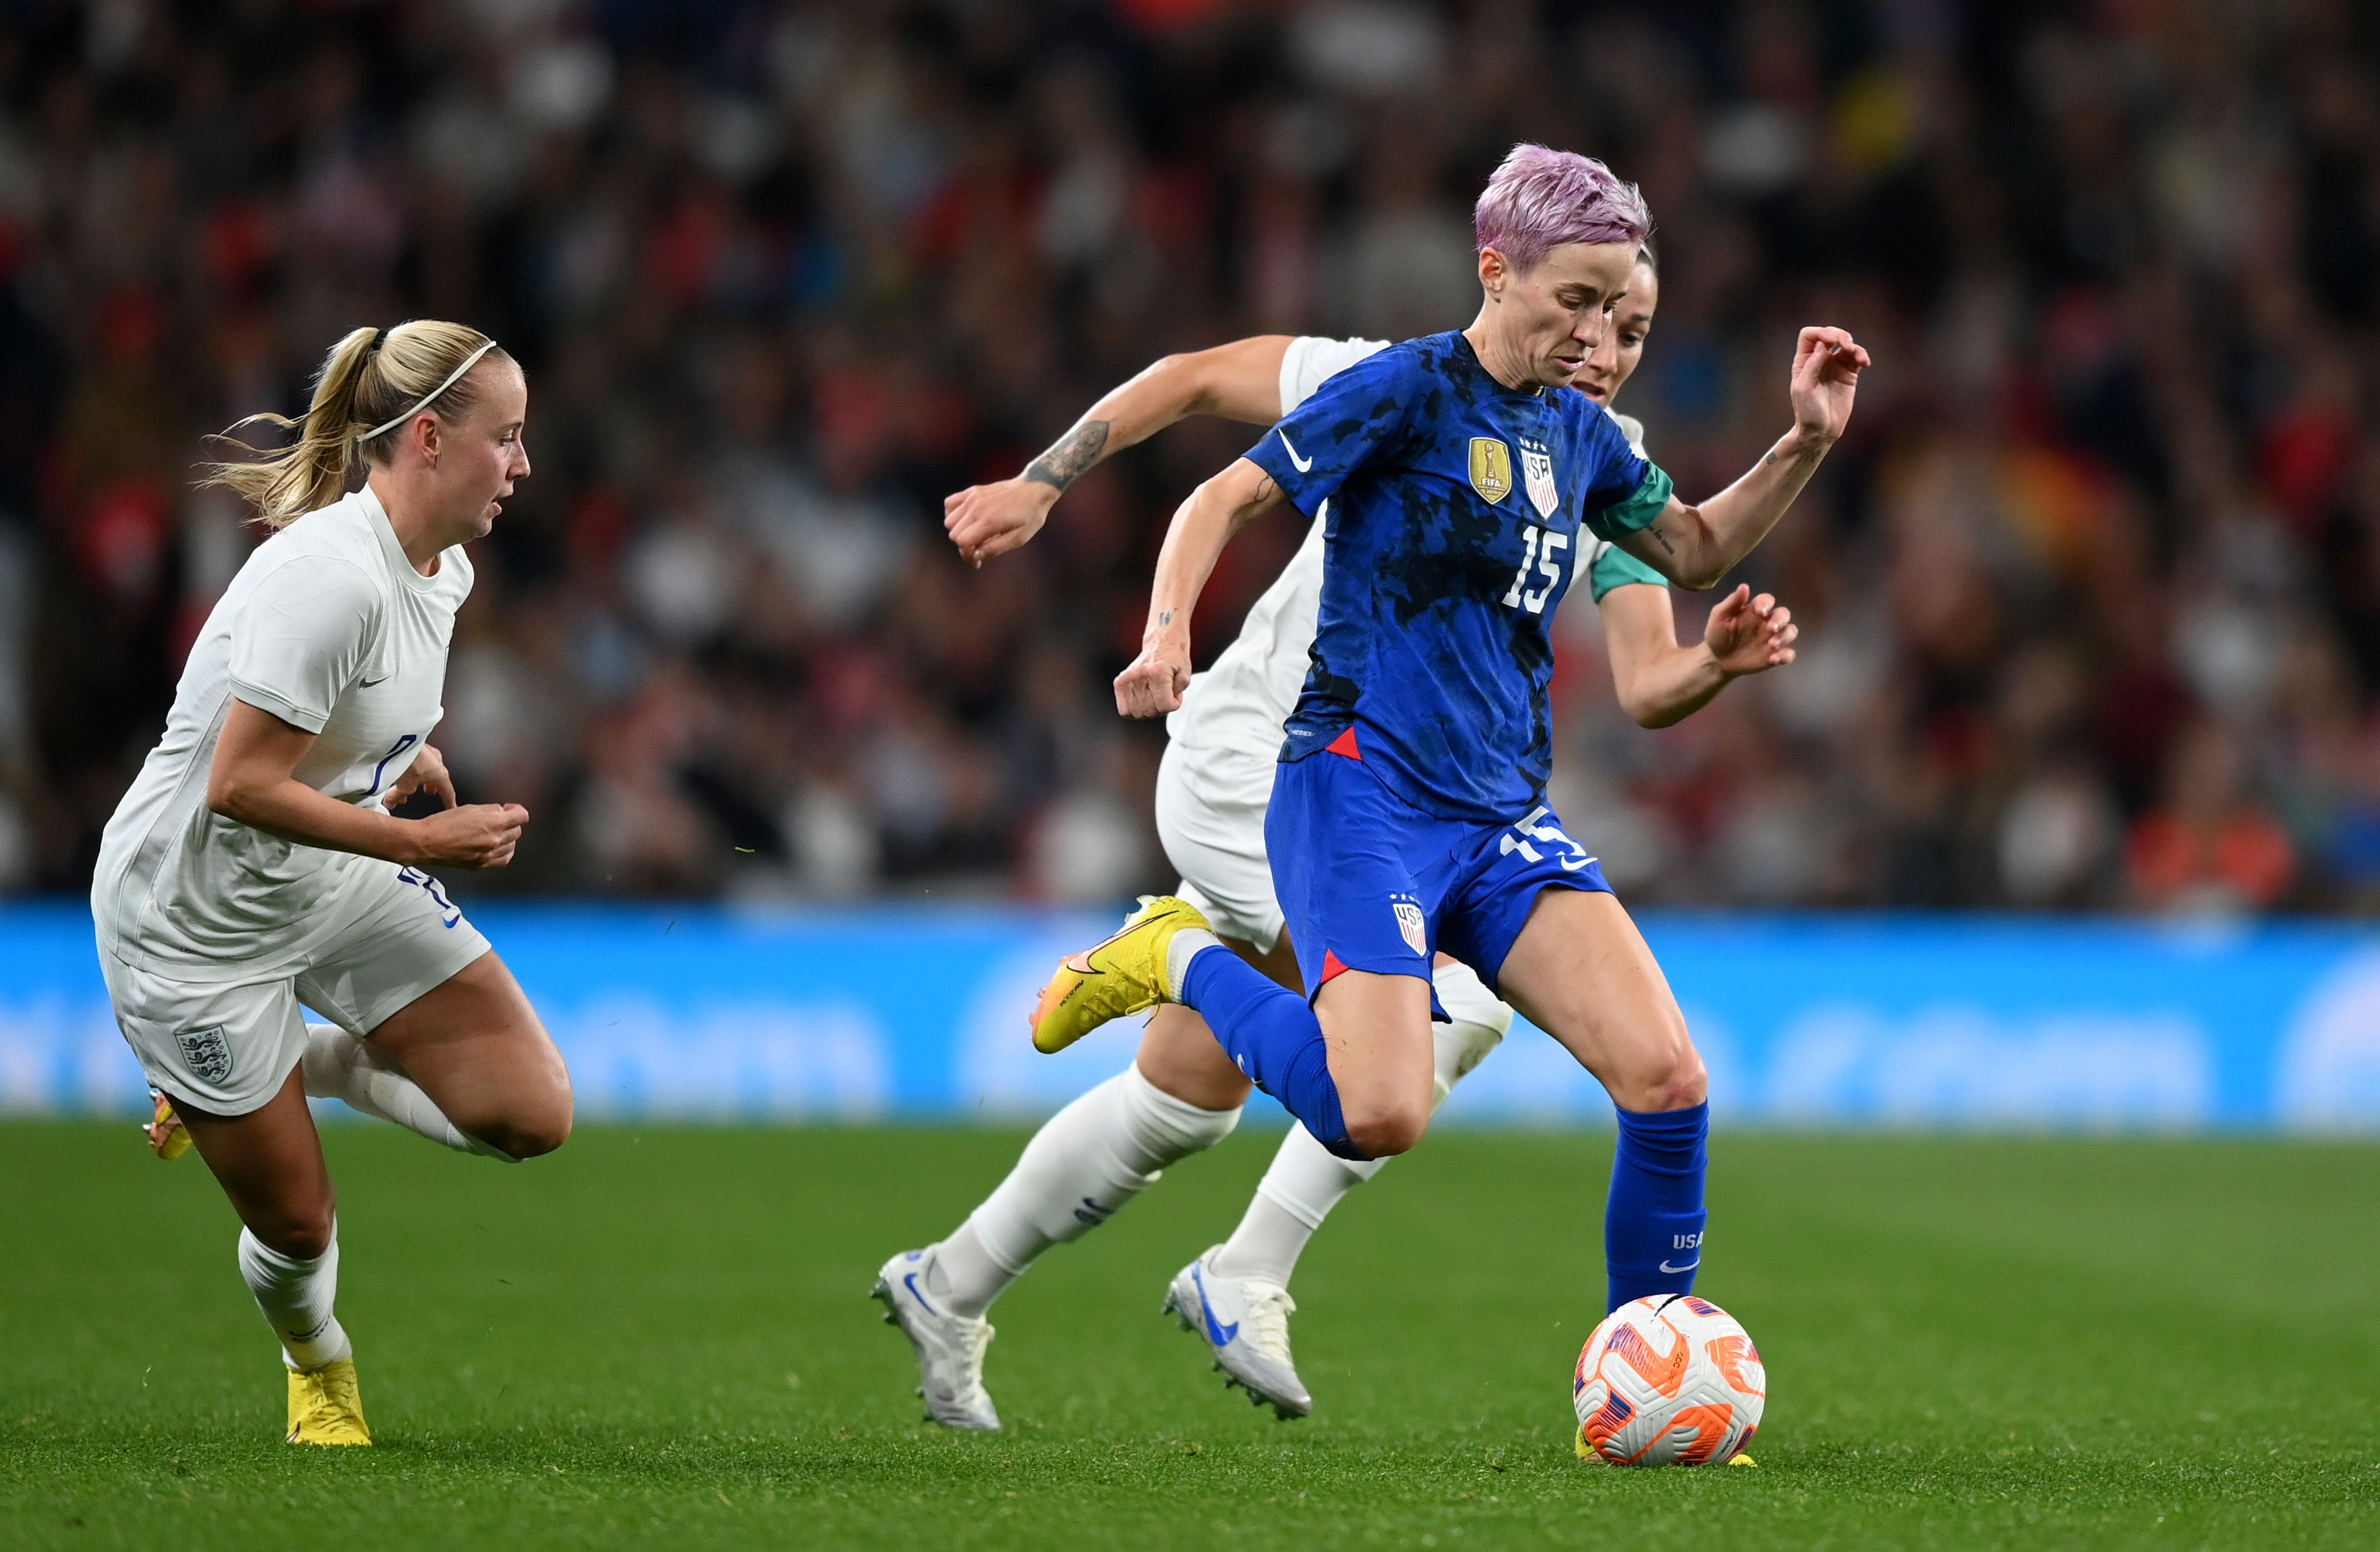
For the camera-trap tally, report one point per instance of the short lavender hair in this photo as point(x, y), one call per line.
point(1539, 199)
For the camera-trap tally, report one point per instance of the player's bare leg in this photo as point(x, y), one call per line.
point(1375, 1030)
point(480, 1053)
point(1582, 971)
point(270, 1163)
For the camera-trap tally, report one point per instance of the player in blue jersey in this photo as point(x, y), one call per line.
point(1409, 814)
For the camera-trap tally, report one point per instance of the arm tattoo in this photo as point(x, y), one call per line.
point(1165, 617)
point(1067, 458)
point(1661, 538)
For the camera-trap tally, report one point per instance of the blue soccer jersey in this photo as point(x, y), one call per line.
point(1455, 505)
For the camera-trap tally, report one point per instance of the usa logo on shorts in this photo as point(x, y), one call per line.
point(206, 1053)
point(1409, 922)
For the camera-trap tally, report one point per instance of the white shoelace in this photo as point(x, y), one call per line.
point(1265, 1321)
point(975, 1338)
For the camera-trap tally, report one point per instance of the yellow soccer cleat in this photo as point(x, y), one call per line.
point(168, 1138)
point(1741, 1461)
point(1122, 976)
point(325, 1407)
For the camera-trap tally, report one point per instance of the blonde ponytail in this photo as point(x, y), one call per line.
point(370, 386)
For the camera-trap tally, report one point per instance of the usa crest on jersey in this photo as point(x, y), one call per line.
point(1409, 922)
point(1537, 469)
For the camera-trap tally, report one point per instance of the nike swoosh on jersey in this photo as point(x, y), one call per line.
point(367, 684)
point(1303, 463)
point(1687, 1267)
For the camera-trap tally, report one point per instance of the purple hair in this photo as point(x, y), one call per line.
point(1539, 198)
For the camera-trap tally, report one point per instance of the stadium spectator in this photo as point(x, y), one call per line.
point(785, 273)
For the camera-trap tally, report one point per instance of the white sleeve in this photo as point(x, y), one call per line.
point(299, 639)
point(1312, 359)
point(1633, 430)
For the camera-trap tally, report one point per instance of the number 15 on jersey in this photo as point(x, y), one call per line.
point(1541, 546)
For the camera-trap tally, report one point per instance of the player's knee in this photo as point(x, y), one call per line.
point(1677, 1082)
point(541, 1134)
point(302, 1234)
point(1384, 1128)
point(531, 1129)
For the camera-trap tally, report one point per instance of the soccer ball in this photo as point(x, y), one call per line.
point(1667, 1380)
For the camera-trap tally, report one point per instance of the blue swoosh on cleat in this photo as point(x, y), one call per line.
point(1221, 1336)
point(909, 1282)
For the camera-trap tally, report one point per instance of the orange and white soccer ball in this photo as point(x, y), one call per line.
point(1667, 1380)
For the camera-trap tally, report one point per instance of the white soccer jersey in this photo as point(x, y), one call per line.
point(328, 627)
point(1227, 733)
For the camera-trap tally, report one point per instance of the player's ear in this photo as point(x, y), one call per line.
point(1493, 274)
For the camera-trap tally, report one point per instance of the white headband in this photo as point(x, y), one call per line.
point(430, 397)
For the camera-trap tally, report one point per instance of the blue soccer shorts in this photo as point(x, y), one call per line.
point(1368, 881)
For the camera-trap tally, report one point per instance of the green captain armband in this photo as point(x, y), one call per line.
point(1635, 513)
point(1616, 568)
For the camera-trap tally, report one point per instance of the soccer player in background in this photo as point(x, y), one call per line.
point(1409, 814)
point(1181, 1094)
point(254, 865)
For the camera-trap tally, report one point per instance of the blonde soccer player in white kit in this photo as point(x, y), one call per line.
point(254, 865)
point(1181, 1094)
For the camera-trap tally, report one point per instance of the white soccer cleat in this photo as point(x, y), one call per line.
point(950, 1346)
point(1246, 1322)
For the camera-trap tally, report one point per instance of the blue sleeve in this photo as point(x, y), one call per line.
point(1626, 492)
point(1356, 414)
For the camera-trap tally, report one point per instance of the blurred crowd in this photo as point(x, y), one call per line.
point(2090, 598)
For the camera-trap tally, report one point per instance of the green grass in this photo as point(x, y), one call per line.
point(659, 1336)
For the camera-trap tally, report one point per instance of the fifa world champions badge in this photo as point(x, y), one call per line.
point(1492, 469)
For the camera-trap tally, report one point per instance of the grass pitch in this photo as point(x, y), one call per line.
point(659, 1338)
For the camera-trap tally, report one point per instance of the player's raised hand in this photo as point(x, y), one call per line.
point(1152, 685)
point(988, 520)
point(1827, 364)
point(427, 773)
point(476, 835)
point(1748, 633)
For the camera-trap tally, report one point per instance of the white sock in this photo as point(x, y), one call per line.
point(1306, 1180)
point(1179, 949)
point(295, 1297)
point(1479, 1026)
point(1297, 1192)
point(1085, 1163)
point(342, 1066)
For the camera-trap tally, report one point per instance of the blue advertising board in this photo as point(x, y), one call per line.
point(704, 1012)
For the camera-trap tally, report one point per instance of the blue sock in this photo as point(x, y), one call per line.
point(1275, 1039)
point(1653, 1223)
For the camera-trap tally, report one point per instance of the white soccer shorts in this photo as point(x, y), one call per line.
point(227, 1047)
point(1216, 839)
